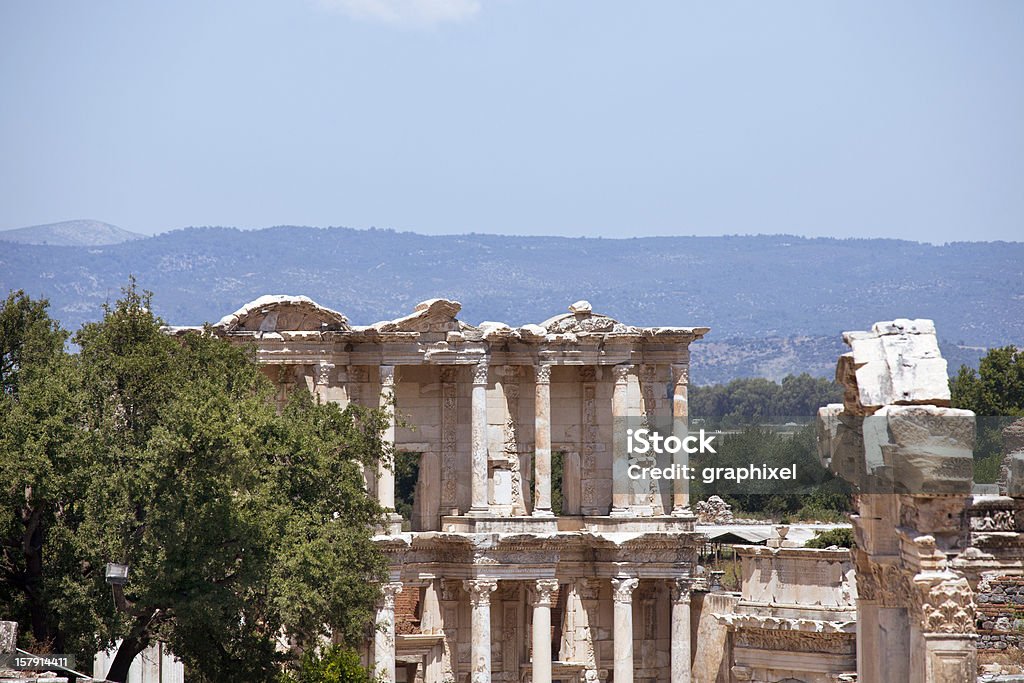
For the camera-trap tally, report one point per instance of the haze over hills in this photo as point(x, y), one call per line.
point(776, 304)
point(77, 233)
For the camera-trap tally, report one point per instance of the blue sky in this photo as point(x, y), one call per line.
point(570, 117)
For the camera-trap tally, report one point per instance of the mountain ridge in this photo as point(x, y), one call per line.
point(82, 232)
point(776, 304)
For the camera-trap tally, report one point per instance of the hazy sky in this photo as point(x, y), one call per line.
point(572, 117)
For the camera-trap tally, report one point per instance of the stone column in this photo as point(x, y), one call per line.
point(542, 630)
point(622, 594)
point(680, 647)
point(480, 598)
point(680, 426)
point(480, 463)
point(386, 475)
point(384, 636)
point(542, 447)
point(620, 458)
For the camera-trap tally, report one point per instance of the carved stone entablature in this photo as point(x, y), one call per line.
point(764, 622)
point(796, 641)
point(480, 590)
point(622, 589)
point(944, 603)
point(994, 520)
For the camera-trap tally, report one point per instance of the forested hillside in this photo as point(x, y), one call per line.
point(776, 304)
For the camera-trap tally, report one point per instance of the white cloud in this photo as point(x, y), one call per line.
point(407, 12)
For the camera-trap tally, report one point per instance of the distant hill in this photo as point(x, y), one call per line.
point(775, 304)
point(80, 233)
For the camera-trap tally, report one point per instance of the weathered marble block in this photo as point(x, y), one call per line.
point(896, 363)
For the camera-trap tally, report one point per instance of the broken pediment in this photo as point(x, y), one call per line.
point(432, 315)
point(279, 312)
point(582, 319)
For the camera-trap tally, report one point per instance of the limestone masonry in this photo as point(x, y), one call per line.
point(489, 583)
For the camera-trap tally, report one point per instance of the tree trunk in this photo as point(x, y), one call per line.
point(126, 653)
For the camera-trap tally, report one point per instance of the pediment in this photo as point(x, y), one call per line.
point(581, 318)
point(278, 312)
point(432, 315)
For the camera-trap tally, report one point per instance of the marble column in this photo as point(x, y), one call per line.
point(384, 636)
point(620, 458)
point(480, 652)
point(680, 426)
point(542, 447)
point(622, 646)
point(542, 630)
point(479, 463)
point(680, 647)
point(386, 474)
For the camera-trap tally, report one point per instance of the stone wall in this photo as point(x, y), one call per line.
point(1000, 607)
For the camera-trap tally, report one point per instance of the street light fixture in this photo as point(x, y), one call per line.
point(117, 574)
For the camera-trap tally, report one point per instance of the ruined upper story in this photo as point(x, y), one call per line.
point(486, 406)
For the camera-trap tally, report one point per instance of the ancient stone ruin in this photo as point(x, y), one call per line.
point(490, 583)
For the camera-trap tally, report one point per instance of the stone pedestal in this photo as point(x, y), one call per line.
point(542, 447)
point(384, 636)
point(622, 594)
point(542, 630)
point(480, 599)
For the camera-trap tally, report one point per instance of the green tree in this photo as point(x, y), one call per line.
point(238, 523)
point(842, 538)
point(334, 665)
point(996, 388)
point(39, 424)
point(995, 393)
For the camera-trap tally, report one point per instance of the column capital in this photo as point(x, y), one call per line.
point(480, 590)
point(323, 372)
point(387, 375)
point(544, 590)
point(681, 373)
point(621, 372)
point(622, 589)
point(480, 371)
point(681, 588)
point(543, 373)
point(388, 591)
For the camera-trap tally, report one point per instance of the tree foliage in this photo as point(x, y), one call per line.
point(796, 396)
point(336, 664)
point(841, 538)
point(240, 523)
point(995, 388)
point(995, 392)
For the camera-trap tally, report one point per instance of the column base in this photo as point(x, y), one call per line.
point(683, 511)
point(478, 512)
point(543, 513)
